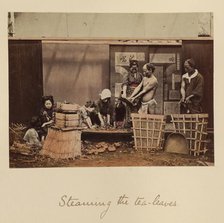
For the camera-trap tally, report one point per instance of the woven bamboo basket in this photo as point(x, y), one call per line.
point(148, 131)
point(66, 120)
point(62, 144)
point(194, 127)
point(69, 107)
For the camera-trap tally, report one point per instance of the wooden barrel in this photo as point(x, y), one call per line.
point(62, 144)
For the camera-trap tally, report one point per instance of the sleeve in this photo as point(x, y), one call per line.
point(199, 87)
point(98, 107)
point(111, 110)
point(125, 80)
point(83, 112)
point(42, 117)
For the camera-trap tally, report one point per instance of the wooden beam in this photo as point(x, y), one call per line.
point(114, 41)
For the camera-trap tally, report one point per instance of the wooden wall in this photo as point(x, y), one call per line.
point(78, 72)
point(25, 80)
point(202, 53)
point(75, 73)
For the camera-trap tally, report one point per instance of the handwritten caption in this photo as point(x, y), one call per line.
point(68, 201)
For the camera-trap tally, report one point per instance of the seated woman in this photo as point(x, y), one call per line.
point(104, 108)
point(46, 115)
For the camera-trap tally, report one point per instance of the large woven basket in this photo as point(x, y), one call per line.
point(194, 127)
point(148, 131)
point(62, 144)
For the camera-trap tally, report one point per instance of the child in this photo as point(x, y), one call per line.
point(31, 136)
point(119, 113)
point(85, 113)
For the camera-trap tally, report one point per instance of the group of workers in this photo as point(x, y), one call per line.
point(135, 86)
point(143, 87)
point(137, 96)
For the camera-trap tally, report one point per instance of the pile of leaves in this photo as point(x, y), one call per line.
point(16, 132)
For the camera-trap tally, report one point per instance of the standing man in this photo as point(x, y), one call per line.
point(192, 87)
point(146, 90)
point(131, 80)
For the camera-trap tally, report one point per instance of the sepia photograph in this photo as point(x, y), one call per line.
point(110, 89)
point(111, 111)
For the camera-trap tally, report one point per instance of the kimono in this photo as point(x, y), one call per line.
point(194, 85)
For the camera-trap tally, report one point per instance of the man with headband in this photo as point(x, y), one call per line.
point(146, 90)
point(131, 80)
